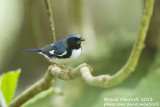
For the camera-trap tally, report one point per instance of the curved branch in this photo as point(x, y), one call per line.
point(84, 70)
point(131, 64)
point(107, 81)
point(43, 84)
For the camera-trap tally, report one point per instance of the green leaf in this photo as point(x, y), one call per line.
point(8, 84)
point(39, 96)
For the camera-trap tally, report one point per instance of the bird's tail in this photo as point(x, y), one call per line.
point(32, 50)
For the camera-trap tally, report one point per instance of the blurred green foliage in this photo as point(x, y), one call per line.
point(8, 84)
point(39, 96)
point(109, 27)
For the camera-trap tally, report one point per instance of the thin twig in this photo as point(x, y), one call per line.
point(50, 16)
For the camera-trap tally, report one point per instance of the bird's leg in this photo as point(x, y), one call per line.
point(62, 66)
point(53, 65)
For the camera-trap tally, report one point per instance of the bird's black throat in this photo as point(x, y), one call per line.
point(74, 43)
point(76, 46)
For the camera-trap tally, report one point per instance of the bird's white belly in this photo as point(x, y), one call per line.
point(75, 55)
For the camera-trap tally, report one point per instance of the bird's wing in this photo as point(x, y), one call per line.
point(56, 49)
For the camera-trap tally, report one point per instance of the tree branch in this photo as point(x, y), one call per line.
point(84, 70)
point(50, 16)
point(107, 81)
point(131, 64)
point(43, 84)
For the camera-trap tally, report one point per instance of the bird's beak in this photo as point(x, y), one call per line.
point(82, 39)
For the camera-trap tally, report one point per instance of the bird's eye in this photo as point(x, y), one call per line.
point(74, 39)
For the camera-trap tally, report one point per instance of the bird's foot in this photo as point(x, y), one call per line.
point(52, 66)
point(65, 68)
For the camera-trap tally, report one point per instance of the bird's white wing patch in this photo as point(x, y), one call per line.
point(64, 53)
point(51, 52)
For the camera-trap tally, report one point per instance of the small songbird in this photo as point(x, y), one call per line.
point(62, 51)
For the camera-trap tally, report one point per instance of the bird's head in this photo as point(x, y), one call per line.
point(74, 41)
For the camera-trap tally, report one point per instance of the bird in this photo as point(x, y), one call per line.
point(62, 51)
